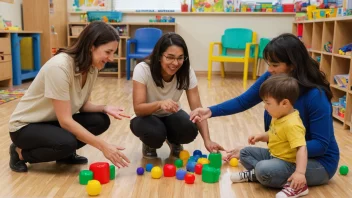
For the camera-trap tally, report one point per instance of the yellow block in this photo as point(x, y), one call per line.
point(27, 53)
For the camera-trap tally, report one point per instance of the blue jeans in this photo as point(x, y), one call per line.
point(274, 172)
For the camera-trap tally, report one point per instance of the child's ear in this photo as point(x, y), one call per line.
point(285, 102)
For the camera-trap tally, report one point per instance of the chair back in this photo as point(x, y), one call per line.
point(262, 44)
point(146, 39)
point(236, 38)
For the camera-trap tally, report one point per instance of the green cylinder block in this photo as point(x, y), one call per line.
point(210, 174)
point(85, 176)
point(215, 160)
point(112, 172)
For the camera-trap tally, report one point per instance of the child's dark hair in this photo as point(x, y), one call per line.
point(287, 48)
point(279, 87)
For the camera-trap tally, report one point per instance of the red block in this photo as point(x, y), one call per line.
point(189, 178)
point(169, 170)
point(198, 169)
point(101, 171)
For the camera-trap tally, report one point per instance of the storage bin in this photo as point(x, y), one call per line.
point(106, 16)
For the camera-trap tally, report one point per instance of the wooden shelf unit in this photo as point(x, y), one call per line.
point(129, 31)
point(38, 17)
point(316, 33)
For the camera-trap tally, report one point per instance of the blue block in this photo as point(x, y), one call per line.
point(148, 167)
point(197, 152)
point(140, 171)
point(180, 174)
point(190, 166)
point(204, 156)
point(196, 158)
point(192, 159)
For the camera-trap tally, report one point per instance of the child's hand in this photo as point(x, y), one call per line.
point(298, 180)
point(253, 139)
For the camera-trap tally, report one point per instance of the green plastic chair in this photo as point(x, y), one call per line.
point(262, 44)
point(236, 39)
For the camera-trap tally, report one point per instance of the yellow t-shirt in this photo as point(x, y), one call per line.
point(285, 135)
point(56, 80)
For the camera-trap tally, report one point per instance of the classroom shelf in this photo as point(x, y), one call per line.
point(317, 33)
point(199, 13)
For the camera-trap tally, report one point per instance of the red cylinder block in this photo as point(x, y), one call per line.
point(198, 169)
point(101, 171)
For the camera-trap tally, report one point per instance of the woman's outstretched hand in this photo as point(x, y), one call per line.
point(116, 112)
point(213, 146)
point(234, 153)
point(200, 114)
point(114, 154)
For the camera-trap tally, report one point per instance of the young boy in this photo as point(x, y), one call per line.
point(285, 138)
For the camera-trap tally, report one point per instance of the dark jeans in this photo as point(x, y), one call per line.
point(47, 141)
point(274, 172)
point(153, 130)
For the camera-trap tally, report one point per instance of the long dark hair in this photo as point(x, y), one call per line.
point(182, 75)
point(95, 34)
point(287, 48)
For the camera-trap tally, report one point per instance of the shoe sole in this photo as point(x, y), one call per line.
point(18, 171)
point(146, 157)
point(302, 194)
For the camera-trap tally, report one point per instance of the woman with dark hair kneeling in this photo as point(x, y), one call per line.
point(45, 125)
point(286, 54)
point(158, 84)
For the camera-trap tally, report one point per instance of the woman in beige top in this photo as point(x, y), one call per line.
point(55, 117)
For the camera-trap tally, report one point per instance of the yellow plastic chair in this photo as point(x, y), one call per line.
point(236, 39)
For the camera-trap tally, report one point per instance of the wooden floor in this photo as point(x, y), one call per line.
point(52, 180)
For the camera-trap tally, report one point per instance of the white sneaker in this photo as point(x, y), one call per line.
point(287, 191)
point(244, 176)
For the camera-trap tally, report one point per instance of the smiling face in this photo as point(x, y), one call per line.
point(103, 54)
point(171, 61)
point(278, 68)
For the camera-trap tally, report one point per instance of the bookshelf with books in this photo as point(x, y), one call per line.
point(324, 38)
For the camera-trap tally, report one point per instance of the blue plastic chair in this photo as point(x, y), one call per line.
point(144, 41)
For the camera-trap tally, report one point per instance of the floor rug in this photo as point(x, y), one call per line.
point(8, 95)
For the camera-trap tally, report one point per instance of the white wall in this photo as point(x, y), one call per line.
point(12, 12)
point(199, 30)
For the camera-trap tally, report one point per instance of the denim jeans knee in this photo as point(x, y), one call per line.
point(274, 172)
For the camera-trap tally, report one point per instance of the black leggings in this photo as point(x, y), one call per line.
point(47, 141)
point(153, 130)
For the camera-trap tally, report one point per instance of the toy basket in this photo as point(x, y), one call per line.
point(106, 16)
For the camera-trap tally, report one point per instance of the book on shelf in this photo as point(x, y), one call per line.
point(341, 80)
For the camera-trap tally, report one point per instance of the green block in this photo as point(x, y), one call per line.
point(85, 176)
point(112, 172)
point(215, 160)
point(343, 170)
point(178, 163)
point(210, 174)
